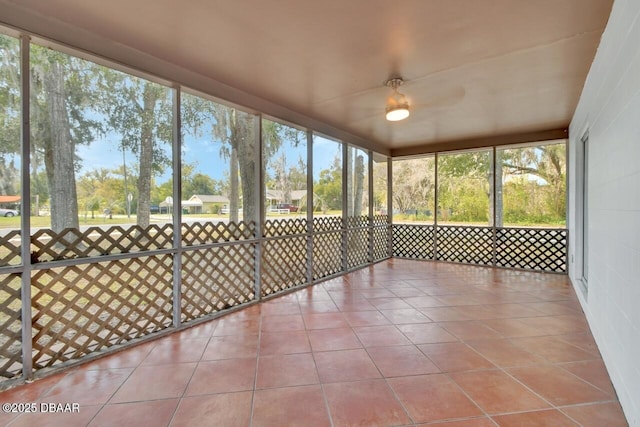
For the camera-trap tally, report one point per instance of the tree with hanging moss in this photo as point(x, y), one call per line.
point(140, 112)
point(9, 116)
point(62, 88)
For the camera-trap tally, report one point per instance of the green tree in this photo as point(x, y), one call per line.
point(87, 193)
point(355, 181)
point(197, 183)
point(534, 184)
point(9, 116)
point(159, 193)
point(464, 186)
point(140, 111)
point(62, 88)
point(102, 188)
point(466, 182)
point(40, 188)
point(380, 180)
point(413, 185)
point(235, 132)
point(328, 187)
point(298, 175)
point(280, 175)
point(202, 184)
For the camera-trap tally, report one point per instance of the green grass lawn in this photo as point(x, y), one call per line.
point(45, 221)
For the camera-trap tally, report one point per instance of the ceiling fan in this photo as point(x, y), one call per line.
point(397, 104)
point(417, 96)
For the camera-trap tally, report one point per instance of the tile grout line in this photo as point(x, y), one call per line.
point(447, 374)
point(106, 403)
point(402, 405)
point(255, 376)
point(182, 396)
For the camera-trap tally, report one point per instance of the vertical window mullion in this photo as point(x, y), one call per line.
point(310, 231)
point(259, 196)
point(177, 212)
point(25, 218)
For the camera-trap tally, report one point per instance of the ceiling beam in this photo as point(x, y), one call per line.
point(489, 141)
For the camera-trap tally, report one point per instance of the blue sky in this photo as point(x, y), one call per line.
point(106, 153)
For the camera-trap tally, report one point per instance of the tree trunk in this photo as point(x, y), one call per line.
point(150, 97)
point(350, 174)
point(284, 181)
point(497, 193)
point(234, 198)
point(359, 185)
point(9, 178)
point(246, 161)
point(59, 153)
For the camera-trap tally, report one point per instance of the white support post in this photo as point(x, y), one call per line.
point(177, 207)
point(258, 201)
point(345, 206)
point(309, 206)
point(25, 204)
point(435, 214)
point(390, 206)
point(370, 198)
point(494, 231)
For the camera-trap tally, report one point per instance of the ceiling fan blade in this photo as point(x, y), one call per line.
point(442, 99)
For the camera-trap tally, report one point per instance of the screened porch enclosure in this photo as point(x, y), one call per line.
point(106, 251)
point(101, 287)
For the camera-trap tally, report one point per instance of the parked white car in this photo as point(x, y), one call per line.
point(8, 212)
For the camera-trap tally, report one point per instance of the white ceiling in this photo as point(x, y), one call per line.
point(473, 69)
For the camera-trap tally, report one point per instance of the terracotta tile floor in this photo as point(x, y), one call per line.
point(399, 343)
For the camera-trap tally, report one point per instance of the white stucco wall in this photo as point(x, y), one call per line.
point(609, 109)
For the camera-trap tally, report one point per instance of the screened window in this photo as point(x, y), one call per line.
point(531, 185)
point(464, 188)
point(285, 167)
point(327, 176)
point(10, 151)
point(414, 190)
point(357, 182)
point(218, 162)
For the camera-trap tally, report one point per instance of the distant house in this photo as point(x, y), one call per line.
point(9, 200)
point(206, 203)
point(275, 197)
point(198, 204)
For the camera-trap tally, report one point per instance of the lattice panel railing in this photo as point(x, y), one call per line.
point(540, 249)
point(532, 248)
point(381, 242)
point(81, 309)
point(216, 278)
point(47, 245)
point(357, 221)
point(10, 326)
point(473, 245)
point(357, 248)
point(379, 220)
point(284, 264)
point(413, 241)
point(327, 223)
point(10, 248)
point(202, 233)
point(285, 227)
point(327, 254)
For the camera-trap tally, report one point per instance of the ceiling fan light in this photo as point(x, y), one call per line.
point(397, 112)
point(397, 104)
